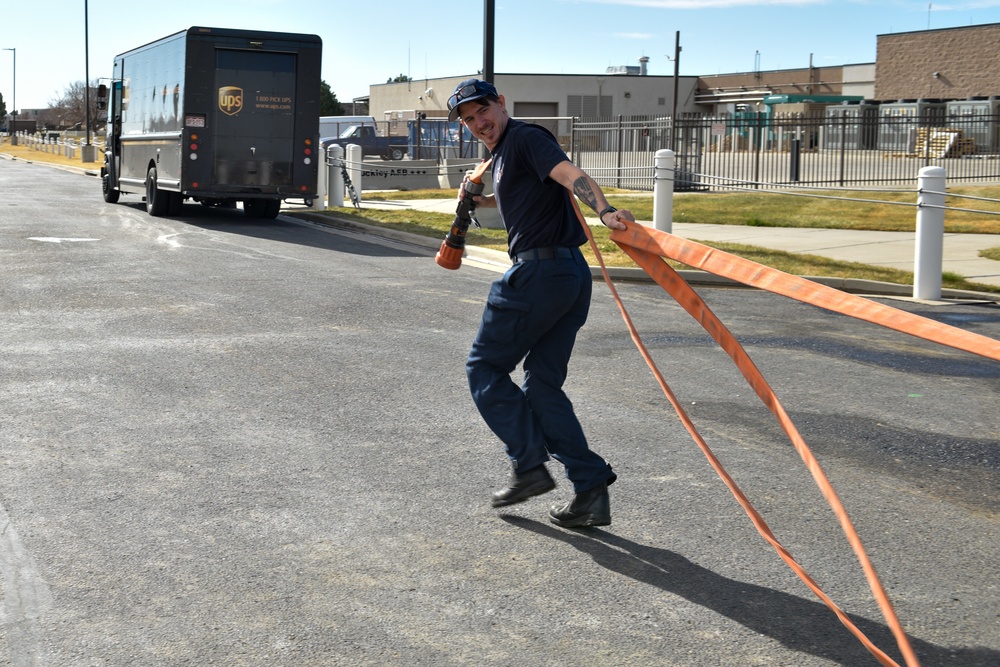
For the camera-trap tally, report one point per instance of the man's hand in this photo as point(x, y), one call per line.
point(617, 219)
point(482, 201)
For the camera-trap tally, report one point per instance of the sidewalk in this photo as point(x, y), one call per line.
point(889, 249)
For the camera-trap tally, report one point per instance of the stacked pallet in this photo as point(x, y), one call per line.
point(942, 142)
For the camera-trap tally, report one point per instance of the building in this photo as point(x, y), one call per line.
point(946, 64)
point(544, 95)
point(801, 90)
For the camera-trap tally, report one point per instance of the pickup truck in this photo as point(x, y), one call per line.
point(388, 148)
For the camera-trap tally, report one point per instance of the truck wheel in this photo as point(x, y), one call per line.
point(396, 153)
point(262, 208)
point(272, 209)
point(175, 203)
point(110, 194)
point(156, 199)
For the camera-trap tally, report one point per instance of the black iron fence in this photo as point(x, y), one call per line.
point(838, 148)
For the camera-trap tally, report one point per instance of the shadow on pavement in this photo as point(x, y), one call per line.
point(233, 221)
point(799, 624)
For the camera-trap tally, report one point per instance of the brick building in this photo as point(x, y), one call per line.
point(947, 64)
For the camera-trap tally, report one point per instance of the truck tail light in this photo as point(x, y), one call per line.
point(307, 151)
point(193, 146)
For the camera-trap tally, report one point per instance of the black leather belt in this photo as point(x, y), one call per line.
point(543, 253)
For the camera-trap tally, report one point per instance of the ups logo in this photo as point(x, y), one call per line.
point(230, 100)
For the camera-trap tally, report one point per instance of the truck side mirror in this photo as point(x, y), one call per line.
point(102, 97)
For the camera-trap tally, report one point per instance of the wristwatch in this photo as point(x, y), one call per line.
point(606, 209)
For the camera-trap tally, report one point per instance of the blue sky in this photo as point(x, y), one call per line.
point(367, 43)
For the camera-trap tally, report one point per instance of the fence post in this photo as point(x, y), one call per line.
point(334, 179)
point(663, 190)
point(929, 248)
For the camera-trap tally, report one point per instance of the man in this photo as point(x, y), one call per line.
point(535, 310)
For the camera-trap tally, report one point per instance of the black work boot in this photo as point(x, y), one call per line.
point(522, 486)
point(590, 508)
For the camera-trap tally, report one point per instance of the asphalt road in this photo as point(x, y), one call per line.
point(237, 442)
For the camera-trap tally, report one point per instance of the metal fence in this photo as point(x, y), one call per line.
point(838, 148)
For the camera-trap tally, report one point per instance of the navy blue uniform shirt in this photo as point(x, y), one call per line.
point(536, 211)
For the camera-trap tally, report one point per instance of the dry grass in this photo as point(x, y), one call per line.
point(23, 152)
point(886, 211)
point(436, 225)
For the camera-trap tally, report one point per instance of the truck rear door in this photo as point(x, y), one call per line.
point(255, 120)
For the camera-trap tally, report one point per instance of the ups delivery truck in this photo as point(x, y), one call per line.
point(217, 116)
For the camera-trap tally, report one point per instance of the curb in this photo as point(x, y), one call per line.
point(500, 260)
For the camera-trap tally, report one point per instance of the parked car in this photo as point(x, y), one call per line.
point(387, 148)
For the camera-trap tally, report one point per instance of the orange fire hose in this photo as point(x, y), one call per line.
point(647, 247)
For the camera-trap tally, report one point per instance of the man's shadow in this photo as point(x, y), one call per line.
point(800, 624)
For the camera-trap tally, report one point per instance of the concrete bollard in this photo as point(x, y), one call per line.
point(663, 190)
point(319, 203)
point(929, 249)
point(334, 176)
point(355, 160)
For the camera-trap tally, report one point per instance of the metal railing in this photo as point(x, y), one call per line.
point(789, 150)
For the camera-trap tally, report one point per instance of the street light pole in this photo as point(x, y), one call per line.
point(677, 75)
point(88, 152)
point(489, 32)
point(13, 111)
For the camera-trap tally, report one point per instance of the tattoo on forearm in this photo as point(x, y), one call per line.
point(582, 189)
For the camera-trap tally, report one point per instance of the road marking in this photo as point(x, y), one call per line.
point(56, 239)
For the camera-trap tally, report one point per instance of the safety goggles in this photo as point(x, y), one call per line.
point(470, 91)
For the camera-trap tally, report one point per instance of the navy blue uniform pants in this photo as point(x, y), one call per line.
point(533, 314)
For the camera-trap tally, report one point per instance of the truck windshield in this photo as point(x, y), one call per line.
point(353, 130)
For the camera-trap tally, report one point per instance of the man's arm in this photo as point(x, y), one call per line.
point(589, 192)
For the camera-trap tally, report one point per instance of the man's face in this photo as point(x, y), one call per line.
point(486, 123)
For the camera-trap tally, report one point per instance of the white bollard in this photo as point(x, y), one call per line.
point(334, 175)
point(319, 203)
point(355, 158)
point(929, 250)
point(663, 190)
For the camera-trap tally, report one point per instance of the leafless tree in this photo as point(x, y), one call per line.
point(69, 111)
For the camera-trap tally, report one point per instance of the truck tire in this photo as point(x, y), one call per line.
point(272, 208)
point(111, 195)
point(175, 203)
point(156, 199)
point(396, 153)
point(267, 209)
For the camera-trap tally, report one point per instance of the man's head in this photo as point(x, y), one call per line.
point(467, 91)
point(480, 108)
